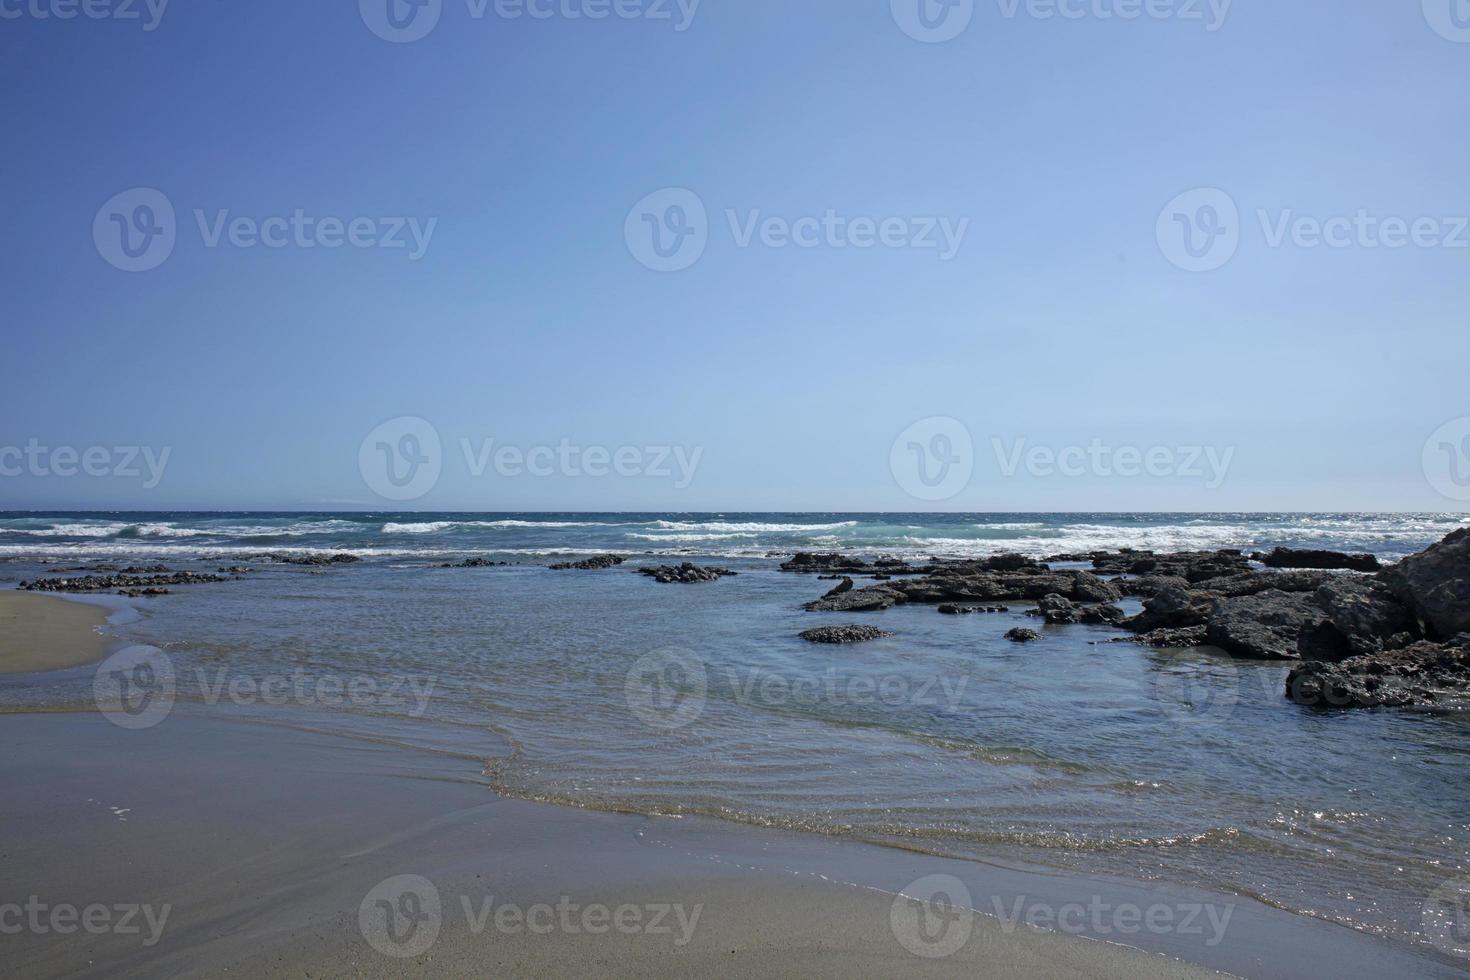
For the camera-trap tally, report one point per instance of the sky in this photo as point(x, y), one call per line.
point(1000, 255)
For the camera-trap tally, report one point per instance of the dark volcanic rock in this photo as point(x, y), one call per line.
point(142, 593)
point(1361, 616)
point(1264, 626)
point(1101, 614)
point(1019, 635)
point(1193, 566)
point(1293, 558)
point(687, 572)
point(844, 634)
point(950, 609)
point(119, 582)
point(1173, 608)
point(310, 560)
point(1424, 674)
point(1190, 636)
point(1252, 583)
point(474, 563)
point(872, 598)
point(844, 586)
point(590, 564)
point(832, 562)
point(1150, 585)
point(1435, 585)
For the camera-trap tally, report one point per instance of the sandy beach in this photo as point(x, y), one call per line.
point(39, 633)
point(292, 843)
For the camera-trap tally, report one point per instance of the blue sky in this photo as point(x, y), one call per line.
point(519, 147)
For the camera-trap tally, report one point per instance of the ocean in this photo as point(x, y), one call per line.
point(608, 690)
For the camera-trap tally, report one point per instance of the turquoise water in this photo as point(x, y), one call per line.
point(618, 692)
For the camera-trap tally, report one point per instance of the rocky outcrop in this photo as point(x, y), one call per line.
point(1264, 626)
point(1252, 583)
point(870, 599)
point(1423, 674)
point(596, 563)
point(1294, 558)
point(844, 586)
point(1171, 609)
point(1360, 617)
point(1019, 635)
point(951, 609)
point(315, 561)
point(1058, 611)
point(685, 573)
point(1435, 585)
point(120, 582)
point(844, 634)
point(474, 563)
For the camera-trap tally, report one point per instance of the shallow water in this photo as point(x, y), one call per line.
point(618, 692)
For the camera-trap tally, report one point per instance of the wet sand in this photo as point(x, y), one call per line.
point(41, 632)
point(262, 848)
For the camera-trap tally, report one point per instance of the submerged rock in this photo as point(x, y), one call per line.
point(593, 564)
point(474, 563)
point(950, 609)
point(1020, 635)
point(844, 634)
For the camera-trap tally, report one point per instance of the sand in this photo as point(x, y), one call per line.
point(257, 845)
point(41, 632)
point(274, 842)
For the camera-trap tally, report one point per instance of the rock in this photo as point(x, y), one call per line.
point(685, 573)
point(950, 609)
point(1293, 558)
point(807, 562)
point(1056, 610)
point(142, 593)
point(311, 560)
point(1264, 626)
point(1150, 585)
point(596, 563)
point(119, 582)
point(1173, 608)
point(1361, 616)
point(844, 586)
point(1435, 585)
point(235, 570)
point(1019, 635)
point(1101, 614)
point(844, 634)
point(872, 598)
point(1252, 583)
point(1190, 636)
point(474, 563)
point(1424, 674)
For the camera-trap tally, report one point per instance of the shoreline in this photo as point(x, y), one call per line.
point(41, 633)
point(266, 864)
